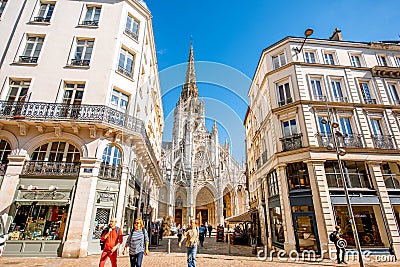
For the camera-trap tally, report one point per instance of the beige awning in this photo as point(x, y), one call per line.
point(244, 217)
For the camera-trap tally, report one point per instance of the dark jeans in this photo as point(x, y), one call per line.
point(338, 249)
point(209, 233)
point(191, 256)
point(136, 260)
point(201, 239)
point(179, 237)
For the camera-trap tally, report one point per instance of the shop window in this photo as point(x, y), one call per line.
point(302, 209)
point(39, 222)
point(128, 221)
point(391, 174)
point(297, 175)
point(355, 172)
point(272, 179)
point(368, 220)
point(277, 232)
point(100, 221)
point(111, 163)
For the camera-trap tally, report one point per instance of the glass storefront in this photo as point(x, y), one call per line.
point(277, 233)
point(297, 175)
point(39, 222)
point(369, 224)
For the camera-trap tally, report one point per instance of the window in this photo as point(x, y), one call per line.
point(345, 126)
point(324, 127)
point(32, 49)
point(284, 94)
point(366, 92)
point(382, 61)
point(273, 188)
point(277, 232)
point(376, 127)
point(125, 64)
point(309, 56)
point(110, 168)
point(83, 52)
point(355, 172)
point(119, 100)
point(355, 60)
point(278, 61)
point(18, 91)
point(5, 150)
point(329, 58)
point(337, 91)
point(391, 174)
point(289, 127)
point(397, 59)
point(132, 27)
point(56, 151)
point(92, 16)
point(3, 4)
point(297, 175)
point(317, 90)
point(45, 12)
point(394, 93)
point(73, 93)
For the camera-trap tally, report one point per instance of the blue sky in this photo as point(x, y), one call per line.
point(229, 37)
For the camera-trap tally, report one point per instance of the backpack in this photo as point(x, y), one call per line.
point(102, 243)
point(333, 236)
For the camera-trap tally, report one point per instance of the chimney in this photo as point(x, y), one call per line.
point(337, 35)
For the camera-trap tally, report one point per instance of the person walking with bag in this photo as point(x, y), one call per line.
point(192, 240)
point(112, 239)
point(138, 243)
point(340, 244)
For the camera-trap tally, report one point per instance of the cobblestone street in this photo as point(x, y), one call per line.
point(213, 254)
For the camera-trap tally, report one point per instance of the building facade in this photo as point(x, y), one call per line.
point(81, 123)
point(201, 178)
point(294, 179)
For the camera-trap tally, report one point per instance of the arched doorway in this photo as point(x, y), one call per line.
point(205, 206)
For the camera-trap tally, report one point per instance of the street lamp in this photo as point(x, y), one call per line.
point(340, 152)
point(307, 33)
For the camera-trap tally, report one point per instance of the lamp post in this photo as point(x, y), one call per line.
point(307, 33)
point(340, 152)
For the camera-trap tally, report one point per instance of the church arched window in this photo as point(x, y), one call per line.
point(179, 202)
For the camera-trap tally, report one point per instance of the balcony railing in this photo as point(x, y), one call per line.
point(3, 168)
point(347, 140)
point(131, 34)
point(320, 98)
point(342, 99)
point(125, 72)
point(51, 168)
point(291, 142)
point(384, 141)
point(112, 172)
point(80, 62)
point(285, 101)
point(27, 59)
point(392, 181)
point(369, 101)
point(89, 23)
point(41, 19)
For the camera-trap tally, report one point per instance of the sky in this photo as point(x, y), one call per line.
point(229, 36)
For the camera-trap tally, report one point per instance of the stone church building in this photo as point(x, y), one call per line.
point(201, 178)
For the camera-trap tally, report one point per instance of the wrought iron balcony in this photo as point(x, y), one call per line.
point(342, 99)
point(3, 168)
point(42, 19)
point(80, 62)
point(131, 34)
point(51, 168)
point(285, 101)
point(370, 101)
point(320, 98)
point(392, 181)
point(346, 141)
point(111, 172)
point(125, 72)
point(384, 141)
point(88, 113)
point(27, 59)
point(291, 142)
point(89, 23)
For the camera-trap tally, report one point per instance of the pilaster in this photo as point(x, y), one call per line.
point(121, 194)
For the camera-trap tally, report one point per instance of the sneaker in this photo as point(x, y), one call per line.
point(345, 262)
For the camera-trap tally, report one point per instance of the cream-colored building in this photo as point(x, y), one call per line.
point(81, 122)
point(294, 180)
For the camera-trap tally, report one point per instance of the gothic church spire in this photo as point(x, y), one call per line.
point(189, 89)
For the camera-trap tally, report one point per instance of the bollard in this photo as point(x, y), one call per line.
point(229, 244)
point(169, 246)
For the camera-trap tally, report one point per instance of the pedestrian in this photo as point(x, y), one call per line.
point(209, 230)
point(192, 240)
point(340, 244)
point(111, 237)
point(138, 243)
point(179, 232)
point(202, 234)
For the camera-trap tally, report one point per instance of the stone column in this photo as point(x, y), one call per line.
point(76, 244)
point(263, 216)
point(386, 207)
point(9, 185)
point(322, 204)
point(122, 195)
point(290, 241)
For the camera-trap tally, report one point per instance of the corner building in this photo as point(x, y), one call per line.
point(81, 123)
point(201, 178)
point(294, 180)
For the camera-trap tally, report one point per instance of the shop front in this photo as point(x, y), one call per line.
point(40, 217)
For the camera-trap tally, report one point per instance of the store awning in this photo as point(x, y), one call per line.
point(244, 217)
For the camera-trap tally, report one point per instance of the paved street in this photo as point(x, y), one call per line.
point(213, 254)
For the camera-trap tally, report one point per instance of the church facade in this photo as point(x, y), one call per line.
point(201, 178)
